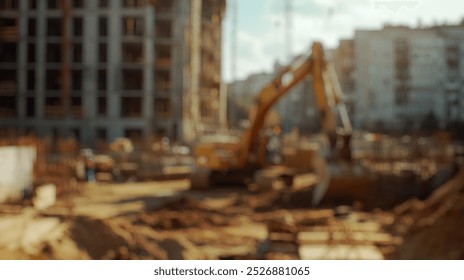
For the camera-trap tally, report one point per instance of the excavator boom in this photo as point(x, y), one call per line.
point(328, 97)
point(216, 160)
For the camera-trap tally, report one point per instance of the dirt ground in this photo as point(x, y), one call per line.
point(433, 228)
point(132, 221)
point(167, 220)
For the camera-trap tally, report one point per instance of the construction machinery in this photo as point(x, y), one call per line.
point(234, 161)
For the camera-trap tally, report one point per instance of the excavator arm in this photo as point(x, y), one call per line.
point(248, 152)
point(269, 95)
point(327, 94)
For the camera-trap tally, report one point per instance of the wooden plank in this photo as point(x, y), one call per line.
point(302, 181)
point(364, 227)
point(284, 237)
point(283, 247)
point(340, 252)
point(345, 238)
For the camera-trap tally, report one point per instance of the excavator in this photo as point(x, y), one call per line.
point(226, 161)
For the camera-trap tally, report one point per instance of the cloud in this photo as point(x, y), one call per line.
point(306, 7)
point(262, 40)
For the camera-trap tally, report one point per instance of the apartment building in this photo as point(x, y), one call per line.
point(409, 78)
point(109, 68)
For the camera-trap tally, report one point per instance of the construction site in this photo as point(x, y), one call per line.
point(116, 143)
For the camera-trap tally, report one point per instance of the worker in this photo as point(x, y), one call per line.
point(85, 166)
point(90, 169)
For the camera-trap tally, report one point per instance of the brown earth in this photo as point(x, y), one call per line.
point(434, 228)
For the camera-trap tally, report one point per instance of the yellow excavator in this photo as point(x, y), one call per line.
point(228, 161)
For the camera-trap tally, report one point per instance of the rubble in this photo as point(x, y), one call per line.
point(166, 220)
point(185, 213)
point(45, 196)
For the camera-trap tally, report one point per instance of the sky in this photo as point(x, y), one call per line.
point(261, 29)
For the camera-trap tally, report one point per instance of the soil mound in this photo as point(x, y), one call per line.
point(433, 228)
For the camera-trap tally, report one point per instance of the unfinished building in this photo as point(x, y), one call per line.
point(105, 69)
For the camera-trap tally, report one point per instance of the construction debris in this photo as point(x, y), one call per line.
point(166, 219)
point(432, 228)
point(45, 196)
point(176, 223)
point(16, 172)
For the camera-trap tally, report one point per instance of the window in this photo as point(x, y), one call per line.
point(8, 81)
point(78, 4)
point(133, 26)
point(102, 52)
point(77, 53)
point(8, 4)
point(7, 106)
point(163, 80)
point(102, 79)
point(163, 6)
point(132, 52)
point(131, 107)
point(77, 27)
point(53, 4)
point(53, 80)
point(31, 29)
point(8, 22)
point(103, 3)
point(31, 53)
point(53, 108)
point(163, 29)
point(103, 26)
point(8, 52)
point(76, 77)
point(30, 79)
point(162, 108)
point(132, 79)
point(30, 107)
point(54, 27)
point(134, 3)
point(32, 4)
point(54, 53)
point(101, 106)
point(163, 55)
point(76, 106)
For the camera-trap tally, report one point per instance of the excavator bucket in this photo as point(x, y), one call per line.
point(338, 180)
point(341, 182)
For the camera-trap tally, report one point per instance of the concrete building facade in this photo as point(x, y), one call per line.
point(105, 69)
point(408, 78)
